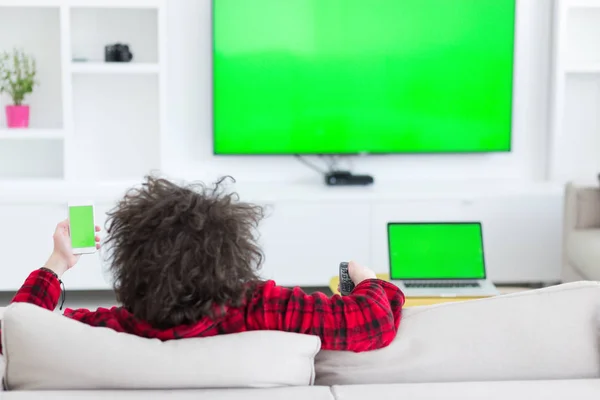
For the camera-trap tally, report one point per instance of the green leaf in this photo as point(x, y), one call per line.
point(17, 74)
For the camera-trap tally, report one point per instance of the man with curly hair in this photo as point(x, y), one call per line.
point(185, 261)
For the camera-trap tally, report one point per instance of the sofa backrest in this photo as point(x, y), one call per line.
point(552, 333)
point(542, 334)
point(46, 351)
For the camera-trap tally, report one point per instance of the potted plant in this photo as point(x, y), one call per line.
point(17, 78)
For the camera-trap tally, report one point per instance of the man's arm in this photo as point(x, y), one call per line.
point(41, 288)
point(368, 319)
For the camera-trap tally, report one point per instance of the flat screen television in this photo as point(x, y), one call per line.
point(357, 76)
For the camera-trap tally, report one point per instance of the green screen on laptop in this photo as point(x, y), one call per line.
point(436, 251)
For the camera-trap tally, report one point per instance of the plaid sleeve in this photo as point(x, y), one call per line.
point(367, 319)
point(41, 288)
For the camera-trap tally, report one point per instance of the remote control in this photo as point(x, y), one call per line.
point(346, 284)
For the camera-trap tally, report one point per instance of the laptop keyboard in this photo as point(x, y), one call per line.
point(441, 284)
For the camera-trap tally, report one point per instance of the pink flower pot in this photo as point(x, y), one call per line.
point(17, 116)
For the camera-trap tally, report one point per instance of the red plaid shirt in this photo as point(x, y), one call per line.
point(367, 319)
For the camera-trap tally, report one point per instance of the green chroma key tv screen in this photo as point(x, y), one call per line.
point(356, 76)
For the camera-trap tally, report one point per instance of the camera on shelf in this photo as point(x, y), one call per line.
point(117, 53)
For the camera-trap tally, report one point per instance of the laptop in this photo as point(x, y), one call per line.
point(438, 259)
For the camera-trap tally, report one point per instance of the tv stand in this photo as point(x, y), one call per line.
point(347, 178)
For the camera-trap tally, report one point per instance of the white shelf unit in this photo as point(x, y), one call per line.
point(319, 217)
point(116, 68)
point(591, 68)
point(584, 4)
point(138, 4)
point(90, 121)
point(575, 128)
point(22, 134)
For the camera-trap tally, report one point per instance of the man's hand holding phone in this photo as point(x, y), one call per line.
point(62, 258)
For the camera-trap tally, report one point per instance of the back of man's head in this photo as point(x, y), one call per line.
point(179, 253)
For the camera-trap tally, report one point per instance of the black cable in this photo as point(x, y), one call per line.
point(333, 163)
point(63, 294)
point(310, 165)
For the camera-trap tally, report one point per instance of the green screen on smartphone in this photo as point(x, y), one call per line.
point(81, 221)
point(436, 251)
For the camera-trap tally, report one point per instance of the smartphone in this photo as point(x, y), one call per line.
point(82, 227)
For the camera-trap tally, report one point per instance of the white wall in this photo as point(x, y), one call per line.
point(190, 112)
point(575, 129)
point(310, 227)
point(522, 231)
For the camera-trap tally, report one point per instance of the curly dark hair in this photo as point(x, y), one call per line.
point(179, 253)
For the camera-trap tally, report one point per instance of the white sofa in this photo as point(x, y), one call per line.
point(541, 344)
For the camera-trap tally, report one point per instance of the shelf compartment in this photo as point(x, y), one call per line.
point(31, 159)
point(43, 43)
point(93, 28)
point(583, 32)
point(116, 126)
point(579, 143)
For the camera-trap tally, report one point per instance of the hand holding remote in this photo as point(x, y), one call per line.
point(351, 274)
point(358, 273)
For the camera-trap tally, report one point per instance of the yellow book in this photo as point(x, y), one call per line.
point(410, 301)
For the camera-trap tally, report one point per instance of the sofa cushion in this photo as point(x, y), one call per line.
point(44, 350)
point(539, 334)
point(583, 252)
point(584, 389)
